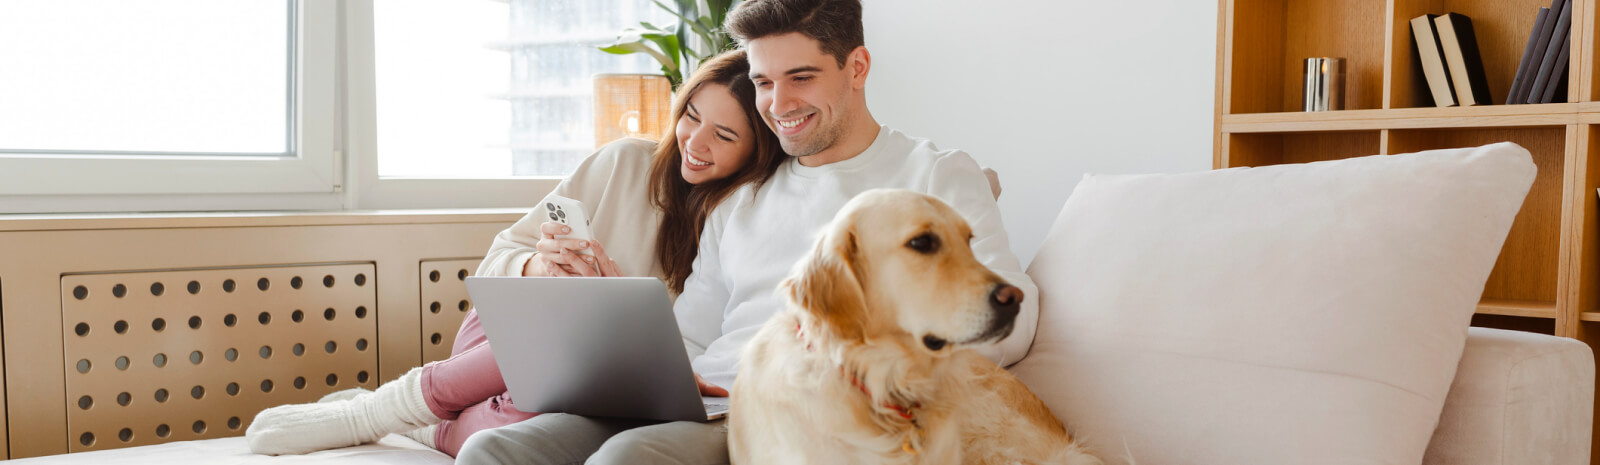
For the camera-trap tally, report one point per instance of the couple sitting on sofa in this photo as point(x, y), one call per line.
point(730, 213)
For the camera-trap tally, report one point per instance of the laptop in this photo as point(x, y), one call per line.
point(602, 347)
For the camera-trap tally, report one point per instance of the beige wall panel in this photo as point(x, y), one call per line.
point(444, 303)
point(195, 354)
point(38, 257)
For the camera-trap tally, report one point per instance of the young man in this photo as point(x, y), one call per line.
point(810, 68)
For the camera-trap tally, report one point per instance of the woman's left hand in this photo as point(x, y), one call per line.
point(598, 265)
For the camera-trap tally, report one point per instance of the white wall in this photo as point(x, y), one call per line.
point(1044, 91)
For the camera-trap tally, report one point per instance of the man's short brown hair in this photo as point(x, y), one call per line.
point(834, 23)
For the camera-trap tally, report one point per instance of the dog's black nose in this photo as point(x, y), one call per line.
point(1007, 300)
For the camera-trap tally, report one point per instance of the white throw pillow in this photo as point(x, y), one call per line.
point(1293, 314)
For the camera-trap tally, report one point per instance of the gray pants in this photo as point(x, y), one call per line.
point(561, 439)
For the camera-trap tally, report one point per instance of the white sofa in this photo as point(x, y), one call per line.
point(1516, 398)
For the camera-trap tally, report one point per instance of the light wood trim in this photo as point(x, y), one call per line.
point(1578, 71)
point(1520, 308)
point(66, 222)
point(1572, 180)
point(1220, 105)
point(1234, 126)
point(1410, 118)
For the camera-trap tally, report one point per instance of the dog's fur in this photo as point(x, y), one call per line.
point(878, 329)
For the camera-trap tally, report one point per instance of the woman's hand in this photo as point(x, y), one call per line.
point(598, 265)
point(553, 258)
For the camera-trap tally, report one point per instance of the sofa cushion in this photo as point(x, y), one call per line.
point(1308, 314)
point(1519, 398)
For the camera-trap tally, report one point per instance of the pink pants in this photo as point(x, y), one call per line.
point(466, 390)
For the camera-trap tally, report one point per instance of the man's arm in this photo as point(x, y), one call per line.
point(960, 182)
point(699, 308)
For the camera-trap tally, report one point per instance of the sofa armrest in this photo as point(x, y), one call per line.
point(1518, 398)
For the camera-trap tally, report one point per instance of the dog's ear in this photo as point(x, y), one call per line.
point(826, 285)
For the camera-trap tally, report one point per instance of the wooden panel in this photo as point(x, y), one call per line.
point(1346, 29)
point(1502, 28)
point(168, 356)
point(1529, 265)
point(1274, 149)
point(1520, 308)
point(34, 262)
point(1532, 325)
point(444, 303)
point(1257, 44)
point(1271, 40)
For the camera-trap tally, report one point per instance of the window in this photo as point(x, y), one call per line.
point(169, 105)
point(492, 89)
point(165, 97)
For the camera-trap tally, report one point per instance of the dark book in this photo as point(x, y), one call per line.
point(1521, 81)
point(1558, 35)
point(1460, 46)
point(1426, 39)
point(1541, 42)
point(1556, 89)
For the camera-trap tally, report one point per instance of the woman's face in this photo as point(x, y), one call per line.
point(714, 135)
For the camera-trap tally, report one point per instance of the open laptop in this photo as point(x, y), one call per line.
point(604, 347)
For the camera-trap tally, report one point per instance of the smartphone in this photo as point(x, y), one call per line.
point(569, 212)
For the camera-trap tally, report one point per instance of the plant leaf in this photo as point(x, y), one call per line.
point(718, 10)
point(625, 48)
point(667, 40)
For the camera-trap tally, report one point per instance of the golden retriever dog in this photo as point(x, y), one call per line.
point(871, 362)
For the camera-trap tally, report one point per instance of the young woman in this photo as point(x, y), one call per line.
point(646, 201)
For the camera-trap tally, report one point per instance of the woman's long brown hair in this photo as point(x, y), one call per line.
point(685, 207)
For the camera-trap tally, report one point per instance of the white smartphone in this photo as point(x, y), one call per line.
point(569, 212)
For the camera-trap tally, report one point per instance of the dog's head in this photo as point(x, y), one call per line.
point(897, 264)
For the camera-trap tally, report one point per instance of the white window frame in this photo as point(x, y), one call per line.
point(336, 167)
point(308, 178)
point(371, 191)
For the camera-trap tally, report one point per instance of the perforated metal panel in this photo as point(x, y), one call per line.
point(165, 356)
point(444, 304)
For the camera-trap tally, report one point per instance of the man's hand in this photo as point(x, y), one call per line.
point(708, 389)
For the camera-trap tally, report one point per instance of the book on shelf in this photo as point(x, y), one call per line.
point(1541, 41)
point(1520, 83)
point(1426, 39)
point(1552, 60)
point(1556, 90)
point(1460, 47)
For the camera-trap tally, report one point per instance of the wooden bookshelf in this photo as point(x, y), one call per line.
point(1547, 278)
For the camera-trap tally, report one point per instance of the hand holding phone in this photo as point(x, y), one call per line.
point(570, 213)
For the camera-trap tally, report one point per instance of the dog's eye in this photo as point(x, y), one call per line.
point(925, 243)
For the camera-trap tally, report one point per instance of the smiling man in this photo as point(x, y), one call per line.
point(810, 67)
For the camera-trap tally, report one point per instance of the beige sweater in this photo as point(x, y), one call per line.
point(614, 186)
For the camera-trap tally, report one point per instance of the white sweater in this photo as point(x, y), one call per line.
point(753, 239)
point(614, 186)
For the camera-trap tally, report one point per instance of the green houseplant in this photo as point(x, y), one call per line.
point(670, 45)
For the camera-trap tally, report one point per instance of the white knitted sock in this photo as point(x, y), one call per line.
point(396, 406)
point(423, 435)
point(346, 394)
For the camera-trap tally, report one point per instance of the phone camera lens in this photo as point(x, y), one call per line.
point(549, 206)
point(553, 217)
point(562, 214)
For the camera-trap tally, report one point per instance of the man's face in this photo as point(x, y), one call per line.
point(801, 91)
